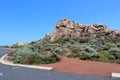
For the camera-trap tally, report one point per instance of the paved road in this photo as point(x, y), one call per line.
point(19, 73)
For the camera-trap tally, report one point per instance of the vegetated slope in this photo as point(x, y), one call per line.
point(88, 42)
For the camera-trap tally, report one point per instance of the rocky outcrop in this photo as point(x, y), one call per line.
point(69, 29)
point(22, 43)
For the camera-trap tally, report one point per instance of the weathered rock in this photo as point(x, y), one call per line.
point(22, 43)
point(69, 29)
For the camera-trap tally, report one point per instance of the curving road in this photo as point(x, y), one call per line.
point(20, 73)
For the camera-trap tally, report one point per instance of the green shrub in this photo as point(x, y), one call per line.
point(84, 57)
point(24, 50)
point(62, 40)
point(118, 45)
point(65, 49)
point(48, 48)
point(68, 44)
point(114, 50)
point(104, 57)
point(83, 40)
point(76, 49)
point(111, 57)
point(88, 53)
point(106, 47)
point(25, 56)
point(72, 41)
point(58, 50)
point(37, 47)
point(71, 56)
point(98, 42)
point(112, 45)
point(118, 61)
point(90, 50)
point(50, 58)
point(32, 59)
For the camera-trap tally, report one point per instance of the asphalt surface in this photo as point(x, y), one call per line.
point(20, 73)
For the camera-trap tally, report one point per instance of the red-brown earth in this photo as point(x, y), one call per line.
point(73, 65)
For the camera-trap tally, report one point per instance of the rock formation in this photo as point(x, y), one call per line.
point(22, 43)
point(69, 29)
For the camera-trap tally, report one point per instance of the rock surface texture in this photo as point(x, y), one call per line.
point(22, 43)
point(70, 29)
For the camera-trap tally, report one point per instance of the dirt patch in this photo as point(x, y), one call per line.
point(73, 65)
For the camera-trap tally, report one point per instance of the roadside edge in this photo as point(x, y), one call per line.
point(21, 65)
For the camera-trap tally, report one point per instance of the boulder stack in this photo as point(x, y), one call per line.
point(70, 29)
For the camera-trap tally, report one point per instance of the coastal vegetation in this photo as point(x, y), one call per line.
point(94, 42)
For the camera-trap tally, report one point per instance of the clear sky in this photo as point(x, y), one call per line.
point(30, 20)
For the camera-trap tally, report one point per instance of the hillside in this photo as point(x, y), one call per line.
point(87, 42)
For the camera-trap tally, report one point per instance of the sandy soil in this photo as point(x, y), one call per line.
point(73, 65)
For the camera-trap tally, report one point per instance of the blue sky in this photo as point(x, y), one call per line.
point(30, 20)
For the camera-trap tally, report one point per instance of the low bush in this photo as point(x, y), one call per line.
point(62, 40)
point(27, 56)
point(90, 51)
point(104, 57)
point(58, 50)
point(84, 57)
point(111, 57)
point(118, 45)
point(75, 49)
point(83, 40)
point(50, 58)
point(71, 55)
point(106, 47)
point(114, 50)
